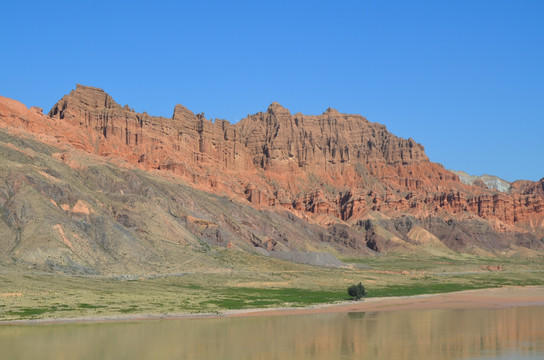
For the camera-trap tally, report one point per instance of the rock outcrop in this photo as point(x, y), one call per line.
point(327, 169)
point(154, 142)
point(326, 141)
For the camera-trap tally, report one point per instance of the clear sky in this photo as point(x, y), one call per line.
point(463, 78)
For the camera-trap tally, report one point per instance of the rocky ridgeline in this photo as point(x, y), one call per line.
point(326, 140)
point(269, 139)
point(154, 142)
point(337, 165)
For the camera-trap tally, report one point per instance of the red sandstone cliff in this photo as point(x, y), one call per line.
point(326, 168)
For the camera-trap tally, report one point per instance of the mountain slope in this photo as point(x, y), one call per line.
point(96, 188)
point(485, 181)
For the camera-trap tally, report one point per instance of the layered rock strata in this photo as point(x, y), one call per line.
point(329, 168)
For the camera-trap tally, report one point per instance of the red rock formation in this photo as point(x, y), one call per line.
point(326, 141)
point(153, 142)
point(529, 187)
point(332, 164)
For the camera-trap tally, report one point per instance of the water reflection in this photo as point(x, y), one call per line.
point(433, 334)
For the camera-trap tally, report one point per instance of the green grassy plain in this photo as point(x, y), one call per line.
point(281, 284)
point(132, 225)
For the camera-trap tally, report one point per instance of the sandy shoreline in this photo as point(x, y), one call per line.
point(469, 299)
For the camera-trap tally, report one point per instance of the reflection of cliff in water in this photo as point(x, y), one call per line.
point(433, 334)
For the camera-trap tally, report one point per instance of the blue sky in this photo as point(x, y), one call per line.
point(463, 78)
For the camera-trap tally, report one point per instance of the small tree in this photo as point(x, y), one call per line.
point(357, 291)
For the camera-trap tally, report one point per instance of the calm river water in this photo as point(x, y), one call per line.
point(513, 333)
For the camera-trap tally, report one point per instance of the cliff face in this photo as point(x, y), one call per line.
point(329, 164)
point(296, 152)
point(270, 139)
point(327, 169)
point(324, 141)
point(154, 142)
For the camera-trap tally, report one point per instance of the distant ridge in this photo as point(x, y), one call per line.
point(489, 181)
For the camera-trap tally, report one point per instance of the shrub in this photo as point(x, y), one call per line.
point(357, 291)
